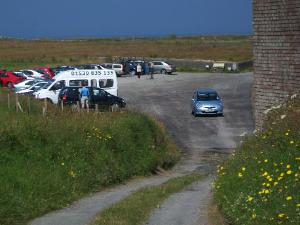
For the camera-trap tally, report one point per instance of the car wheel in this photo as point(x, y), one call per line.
point(9, 84)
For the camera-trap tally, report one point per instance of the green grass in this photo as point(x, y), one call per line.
point(48, 162)
point(260, 183)
point(135, 209)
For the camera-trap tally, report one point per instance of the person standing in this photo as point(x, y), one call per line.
point(84, 97)
point(139, 70)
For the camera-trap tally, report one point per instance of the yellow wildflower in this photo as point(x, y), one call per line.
point(275, 183)
point(253, 216)
point(265, 160)
point(298, 205)
point(282, 174)
point(289, 198)
point(243, 168)
point(62, 164)
point(249, 199)
point(289, 172)
point(267, 191)
point(287, 133)
point(297, 158)
point(288, 166)
point(292, 142)
point(240, 174)
point(281, 215)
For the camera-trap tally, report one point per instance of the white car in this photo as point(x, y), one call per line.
point(33, 73)
point(114, 66)
point(24, 84)
point(33, 88)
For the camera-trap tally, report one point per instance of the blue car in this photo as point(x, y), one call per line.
point(206, 101)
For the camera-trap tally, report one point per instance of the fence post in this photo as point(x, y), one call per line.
point(78, 106)
point(8, 101)
point(28, 104)
point(17, 100)
point(62, 105)
point(96, 108)
point(45, 107)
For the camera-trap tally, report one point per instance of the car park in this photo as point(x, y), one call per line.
point(98, 96)
point(34, 73)
point(35, 87)
point(105, 79)
point(8, 78)
point(206, 101)
point(23, 84)
point(163, 67)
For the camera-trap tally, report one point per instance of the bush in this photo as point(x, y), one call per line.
point(260, 183)
point(47, 162)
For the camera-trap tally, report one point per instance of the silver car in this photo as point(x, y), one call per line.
point(206, 101)
point(163, 67)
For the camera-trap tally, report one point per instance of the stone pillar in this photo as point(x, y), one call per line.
point(276, 25)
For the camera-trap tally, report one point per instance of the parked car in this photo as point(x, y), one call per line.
point(89, 67)
point(46, 70)
point(35, 87)
point(59, 69)
point(8, 78)
point(114, 66)
point(34, 73)
point(206, 101)
point(71, 95)
point(23, 84)
point(163, 67)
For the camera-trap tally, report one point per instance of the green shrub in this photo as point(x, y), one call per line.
point(47, 162)
point(260, 183)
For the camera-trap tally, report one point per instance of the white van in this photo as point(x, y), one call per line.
point(105, 79)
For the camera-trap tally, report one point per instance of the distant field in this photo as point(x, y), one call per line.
point(16, 54)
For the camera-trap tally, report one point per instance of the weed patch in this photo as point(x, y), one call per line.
point(260, 183)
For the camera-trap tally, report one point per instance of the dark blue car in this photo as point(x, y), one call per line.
point(206, 101)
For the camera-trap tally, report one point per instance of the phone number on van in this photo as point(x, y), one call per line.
point(87, 73)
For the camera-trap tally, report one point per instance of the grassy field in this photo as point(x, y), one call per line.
point(17, 54)
point(260, 183)
point(136, 208)
point(49, 161)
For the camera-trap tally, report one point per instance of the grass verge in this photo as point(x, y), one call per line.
point(136, 208)
point(49, 161)
point(260, 183)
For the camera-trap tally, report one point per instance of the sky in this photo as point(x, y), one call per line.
point(123, 18)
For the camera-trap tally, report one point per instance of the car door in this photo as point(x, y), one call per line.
point(54, 90)
point(194, 100)
point(3, 79)
point(99, 97)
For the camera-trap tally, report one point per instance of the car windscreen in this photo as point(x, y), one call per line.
point(18, 75)
point(207, 96)
point(47, 85)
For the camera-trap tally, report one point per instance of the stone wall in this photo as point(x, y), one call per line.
point(276, 26)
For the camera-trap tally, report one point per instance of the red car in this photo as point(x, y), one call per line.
point(47, 71)
point(8, 78)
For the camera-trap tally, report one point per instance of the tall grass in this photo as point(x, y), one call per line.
point(260, 183)
point(17, 54)
point(47, 162)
